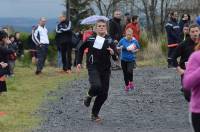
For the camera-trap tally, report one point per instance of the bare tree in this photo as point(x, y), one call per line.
point(164, 10)
point(106, 7)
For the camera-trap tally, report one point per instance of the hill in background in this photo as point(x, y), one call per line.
point(25, 24)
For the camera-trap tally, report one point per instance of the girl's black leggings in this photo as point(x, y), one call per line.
point(127, 68)
point(196, 121)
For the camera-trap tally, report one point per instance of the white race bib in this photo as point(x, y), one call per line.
point(98, 43)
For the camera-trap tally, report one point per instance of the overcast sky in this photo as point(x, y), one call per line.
point(31, 8)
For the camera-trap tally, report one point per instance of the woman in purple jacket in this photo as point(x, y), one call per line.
point(192, 83)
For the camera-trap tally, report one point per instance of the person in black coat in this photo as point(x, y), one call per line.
point(4, 53)
point(116, 33)
point(64, 42)
point(185, 19)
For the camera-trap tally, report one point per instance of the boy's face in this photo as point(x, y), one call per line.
point(101, 28)
point(194, 33)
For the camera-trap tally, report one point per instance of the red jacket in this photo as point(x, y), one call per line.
point(136, 29)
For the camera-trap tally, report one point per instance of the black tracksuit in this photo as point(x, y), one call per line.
point(64, 43)
point(184, 50)
point(98, 64)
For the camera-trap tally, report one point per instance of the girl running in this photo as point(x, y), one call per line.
point(129, 46)
point(191, 83)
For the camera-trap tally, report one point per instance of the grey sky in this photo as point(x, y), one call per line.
point(31, 8)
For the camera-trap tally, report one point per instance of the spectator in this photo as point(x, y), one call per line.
point(173, 36)
point(20, 50)
point(4, 53)
point(185, 19)
point(185, 33)
point(12, 57)
point(32, 47)
point(41, 39)
point(115, 27)
point(116, 33)
point(64, 40)
point(134, 25)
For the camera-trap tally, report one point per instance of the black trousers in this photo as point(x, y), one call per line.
point(99, 86)
point(171, 51)
point(66, 52)
point(3, 87)
point(196, 121)
point(127, 68)
point(42, 55)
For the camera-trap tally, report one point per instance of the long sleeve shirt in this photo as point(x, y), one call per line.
point(40, 35)
point(191, 81)
point(97, 58)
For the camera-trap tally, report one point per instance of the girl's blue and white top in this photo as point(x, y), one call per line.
point(125, 54)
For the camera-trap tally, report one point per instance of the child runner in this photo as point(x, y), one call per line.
point(129, 46)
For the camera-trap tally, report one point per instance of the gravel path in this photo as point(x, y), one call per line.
point(156, 105)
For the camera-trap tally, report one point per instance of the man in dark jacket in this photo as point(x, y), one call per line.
point(116, 33)
point(184, 50)
point(115, 27)
point(100, 48)
point(64, 42)
point(173, 36)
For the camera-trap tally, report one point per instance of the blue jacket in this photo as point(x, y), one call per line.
point(173, 33)
point(125, 54)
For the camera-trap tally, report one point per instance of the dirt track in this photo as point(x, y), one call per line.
point(156, 105)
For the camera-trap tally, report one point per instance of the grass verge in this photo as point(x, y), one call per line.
point(26, 92)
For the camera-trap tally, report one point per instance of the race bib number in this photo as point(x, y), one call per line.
point(98, 43)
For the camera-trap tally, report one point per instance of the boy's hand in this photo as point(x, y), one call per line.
point(111, 51)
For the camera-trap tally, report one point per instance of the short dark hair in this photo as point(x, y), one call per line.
point(3, 35)
point(101, 20)
point(172, 13)
point(194, 25)
point(135, 17)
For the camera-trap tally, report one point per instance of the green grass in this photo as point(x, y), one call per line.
point(152, 62)
point(26, 93)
